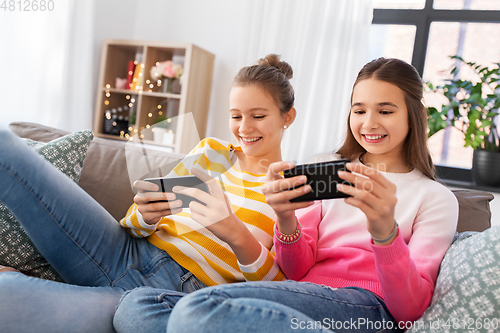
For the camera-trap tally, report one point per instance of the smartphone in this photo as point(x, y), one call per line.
point(323, 179)
point(166, 185)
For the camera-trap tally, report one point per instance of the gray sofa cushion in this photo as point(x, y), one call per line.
point(474, 210)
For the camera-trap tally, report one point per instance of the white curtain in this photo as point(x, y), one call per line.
point(326, 42)
point(46, 62)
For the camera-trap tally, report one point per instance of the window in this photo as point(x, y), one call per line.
point(426, 33)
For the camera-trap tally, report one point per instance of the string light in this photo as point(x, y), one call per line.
point(108, 86)
point(150, 115)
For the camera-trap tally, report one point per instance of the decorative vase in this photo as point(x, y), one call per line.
point(486, 168)
point(167, 85)
point(158, 133)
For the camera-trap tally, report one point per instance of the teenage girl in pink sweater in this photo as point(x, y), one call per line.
point(367, 263)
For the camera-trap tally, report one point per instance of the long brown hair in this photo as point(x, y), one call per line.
point(403, 75)
point(273, 76)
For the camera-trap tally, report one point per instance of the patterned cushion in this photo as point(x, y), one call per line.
point(16, 249)
point(467, 294)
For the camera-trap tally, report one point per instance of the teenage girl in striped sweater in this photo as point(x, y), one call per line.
point(157, 245)
point(364, 264)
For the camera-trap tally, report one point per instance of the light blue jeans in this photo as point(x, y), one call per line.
point(97, 258)
point(280, 307)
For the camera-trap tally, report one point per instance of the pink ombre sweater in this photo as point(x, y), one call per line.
point(336, 249)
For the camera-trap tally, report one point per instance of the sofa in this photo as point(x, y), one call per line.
point(467, 293)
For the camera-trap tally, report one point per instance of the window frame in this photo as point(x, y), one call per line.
point(422, 19)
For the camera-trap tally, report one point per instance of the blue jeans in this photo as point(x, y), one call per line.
point(280, 307)
point(97, 258)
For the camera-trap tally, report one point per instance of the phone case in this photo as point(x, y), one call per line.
point(166, 185)
point(323, 179)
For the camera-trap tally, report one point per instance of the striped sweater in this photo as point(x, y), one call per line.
point(197, 249)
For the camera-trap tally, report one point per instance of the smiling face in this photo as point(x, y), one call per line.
point(257, 123)
point(379, 121)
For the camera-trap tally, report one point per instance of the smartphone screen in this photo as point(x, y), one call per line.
point(323, 179)
point(166, 185)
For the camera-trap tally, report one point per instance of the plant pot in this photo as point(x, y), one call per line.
point(486, 168)
point(158, 134)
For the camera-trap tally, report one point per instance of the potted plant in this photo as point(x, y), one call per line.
point(473, 108)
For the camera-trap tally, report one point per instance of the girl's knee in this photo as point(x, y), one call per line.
point(6, 136)
point(195, 305)
point(126, 315)
point(145, 307)
point(10, 281)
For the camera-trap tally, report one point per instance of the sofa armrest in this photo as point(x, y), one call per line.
point(474, 210)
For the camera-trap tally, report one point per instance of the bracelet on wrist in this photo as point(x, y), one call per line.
point(396, 226)
point(289, 238)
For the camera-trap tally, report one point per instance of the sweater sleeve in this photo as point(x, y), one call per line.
point(265, 268)
point(296, 259)
point(134, 222)
point(407, 271)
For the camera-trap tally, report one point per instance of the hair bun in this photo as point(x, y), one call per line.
point(273, 60)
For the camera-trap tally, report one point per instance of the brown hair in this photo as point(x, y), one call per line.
point(272, 75)
point(403, 75)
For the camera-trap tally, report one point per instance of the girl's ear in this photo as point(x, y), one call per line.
point(290, 116)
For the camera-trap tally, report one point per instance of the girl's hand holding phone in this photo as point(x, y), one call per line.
point(216, 214)
point(374, 195)
point(154, 205)
point(278, 195)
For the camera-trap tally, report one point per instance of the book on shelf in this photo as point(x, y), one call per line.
point(137, 79)
point(130, 73)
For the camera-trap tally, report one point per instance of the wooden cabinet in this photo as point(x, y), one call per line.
point(147, 111)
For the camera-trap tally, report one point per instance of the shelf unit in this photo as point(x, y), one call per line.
point(186, 108)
